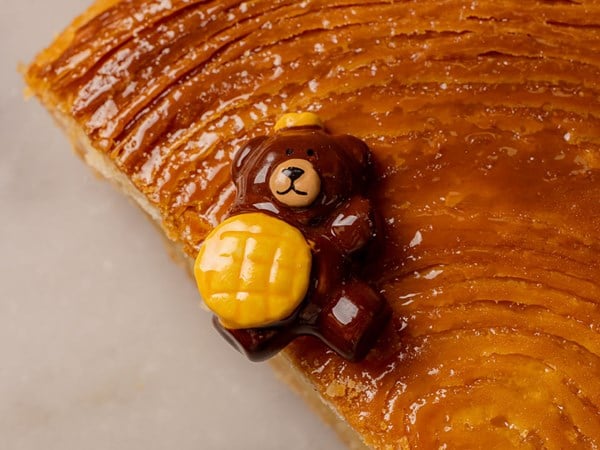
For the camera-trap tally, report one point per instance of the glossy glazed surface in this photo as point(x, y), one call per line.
point(483, 120)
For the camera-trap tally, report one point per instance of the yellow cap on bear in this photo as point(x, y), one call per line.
point(253, 270)
point(303, 119)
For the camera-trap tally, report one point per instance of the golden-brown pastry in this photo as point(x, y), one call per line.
point(484, 119)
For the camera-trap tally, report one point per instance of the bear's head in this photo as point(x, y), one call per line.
point(301, 173)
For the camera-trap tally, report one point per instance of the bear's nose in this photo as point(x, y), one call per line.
point(293, 173)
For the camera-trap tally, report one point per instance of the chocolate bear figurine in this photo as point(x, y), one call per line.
point(284, 263)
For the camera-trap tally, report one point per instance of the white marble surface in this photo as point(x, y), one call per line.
point(102, 341)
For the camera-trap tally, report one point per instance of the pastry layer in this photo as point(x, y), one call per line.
point(484, 121)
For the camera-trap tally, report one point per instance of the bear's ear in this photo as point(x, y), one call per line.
point(357, 149)
point(240, 157)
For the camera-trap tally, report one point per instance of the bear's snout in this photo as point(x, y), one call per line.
point(295, 183)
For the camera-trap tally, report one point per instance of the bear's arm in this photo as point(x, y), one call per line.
point(353, 224)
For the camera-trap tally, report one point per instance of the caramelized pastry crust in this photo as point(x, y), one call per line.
point(484, 121)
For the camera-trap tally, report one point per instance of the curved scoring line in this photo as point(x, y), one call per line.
point(458, 282)
point(462, 391)
point(474, 359)
point(481, 108)
point(75, 74)
point(523, 281)
point(518, 331)
point(583, 27)
point(186, 76)
point(179, 180)
point(482, 111)
point(154, 53)
point(426, 309)
point(448, 267)
point(159, 100)
point(246, 104)
point(509, 249)
point(190, 70)
point(195, 70)
point(279, 43)
point(375, 22)
point(484, 104)
point(573, 323)
point(517, 222)
point(501, 55)
point(150, 104)
point(464, 79)
point(480, 361)
point(542, 45)
point(395, 276)
point(476, 332)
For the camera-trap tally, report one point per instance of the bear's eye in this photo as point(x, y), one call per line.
point(289, 151)
point(310, 152)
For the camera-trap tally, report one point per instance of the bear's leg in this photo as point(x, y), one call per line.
point(353, 319)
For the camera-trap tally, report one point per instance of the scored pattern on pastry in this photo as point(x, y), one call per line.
point(484, 118)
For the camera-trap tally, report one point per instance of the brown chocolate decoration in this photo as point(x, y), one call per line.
point(319, 184)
